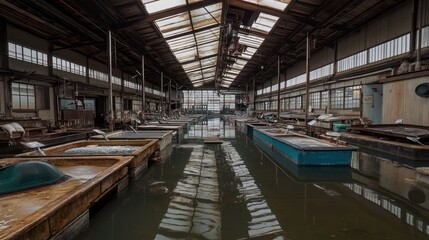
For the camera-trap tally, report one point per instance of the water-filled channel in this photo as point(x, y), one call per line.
point(235, 190)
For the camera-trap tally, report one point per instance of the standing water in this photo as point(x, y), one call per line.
point(235, 190)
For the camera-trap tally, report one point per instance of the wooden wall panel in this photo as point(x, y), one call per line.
point(400, 101)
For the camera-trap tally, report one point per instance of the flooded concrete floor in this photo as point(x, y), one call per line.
point(235, 190)
point(16, 206)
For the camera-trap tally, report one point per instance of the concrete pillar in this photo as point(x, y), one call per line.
point(4, 63)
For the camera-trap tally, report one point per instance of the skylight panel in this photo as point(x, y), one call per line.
point(191, 66)
point(250, 40)
point(275, 4)
point(153, 6)
point(265, 22)
point(186, 55)
point(208, 35)
point(207, 49)
point(234, 71)
point(181, 43)
point(208, 62)
point(195, 76)
point(192, 49)
point(174, 25)
point(206, 16)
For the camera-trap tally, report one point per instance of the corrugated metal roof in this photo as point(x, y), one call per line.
point(191, 50)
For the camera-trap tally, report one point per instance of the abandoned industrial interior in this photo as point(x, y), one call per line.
point(214, 119)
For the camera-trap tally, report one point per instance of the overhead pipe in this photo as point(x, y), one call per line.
point(391, 70)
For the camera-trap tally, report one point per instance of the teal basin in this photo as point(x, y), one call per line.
point(29, 174)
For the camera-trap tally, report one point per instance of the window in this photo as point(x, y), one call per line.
point(208, 98)
point(117, 103)
point(322, 72)
point(296, 80)
point(27, 54)
point(314, 99)
point(116, 80)
point(12, 50)
point(293, 103)
point(23, 96)
point(285, 104)
point(352, 97)
point(425, 37)
point(352, 61)
point(337, 98)
point(324, 99)
point(299, 103)
point(266, 105)
point(19, 52)
point(348, 97)
point(274, 87)
point(389, 49)
point(137, 105)
point(67, 66)
point(97, 75)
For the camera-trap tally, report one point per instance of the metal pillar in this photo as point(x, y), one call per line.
point(143, 91)
point(110, 84)
point(177, 96)
point(4, 63)
point(278, 87)
point(169, 97)
point(254, 94)
point(162, 93)
point(307, 82)
point(247, 100)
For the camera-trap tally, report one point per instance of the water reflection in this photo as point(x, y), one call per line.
point(194, 209)
point(398, 179)
point(211, 127)
point(262, 220)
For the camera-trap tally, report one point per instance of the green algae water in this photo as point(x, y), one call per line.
point(236, 190)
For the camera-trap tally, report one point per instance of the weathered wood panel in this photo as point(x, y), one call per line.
point(400, 101)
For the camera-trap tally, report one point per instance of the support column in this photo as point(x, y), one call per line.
point(4, 53)
point(413, 33)
point(110, 83)
point(307, 82)
point(278, 87)
point(169, 97)
point(162, 93)
point(177, 96)
point(143, 91)
point(254, 94)
point(4, 63)
point(247, 99)
point(87, 69)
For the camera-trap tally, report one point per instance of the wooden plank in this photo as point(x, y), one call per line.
point(212, 140)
